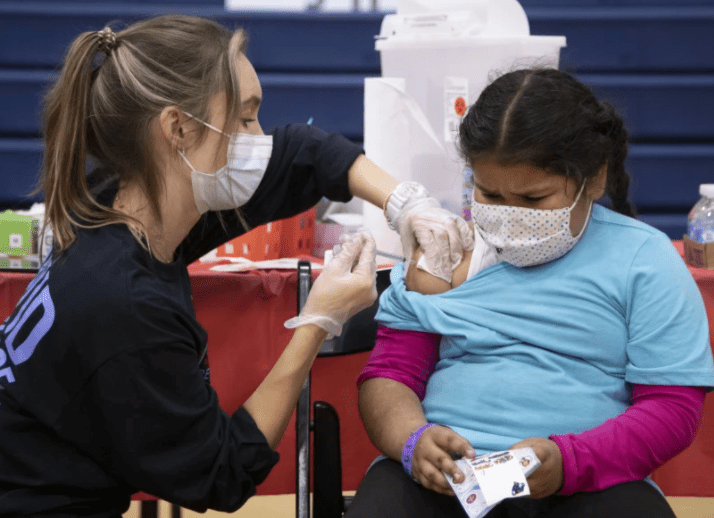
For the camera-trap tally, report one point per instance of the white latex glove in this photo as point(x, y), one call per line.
point(346, 286)
point(442, 235)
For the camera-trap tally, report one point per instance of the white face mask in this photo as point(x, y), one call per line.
point(526, 237)
point(233, 184)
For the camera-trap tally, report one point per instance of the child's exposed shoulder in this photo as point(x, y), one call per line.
point(422, 281)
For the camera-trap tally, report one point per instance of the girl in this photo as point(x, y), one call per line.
point(572, 329)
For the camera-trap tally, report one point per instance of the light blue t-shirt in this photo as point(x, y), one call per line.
point(553, 349)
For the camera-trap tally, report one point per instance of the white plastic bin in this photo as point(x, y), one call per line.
point(442, 60)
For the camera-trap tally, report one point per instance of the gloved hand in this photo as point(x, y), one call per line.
point(443, 235)
point(346, 286)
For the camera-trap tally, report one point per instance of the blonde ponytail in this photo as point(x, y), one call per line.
point(65, 133)
point(110, 89)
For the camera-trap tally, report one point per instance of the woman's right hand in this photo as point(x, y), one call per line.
point(347, 285)
point(432, 458)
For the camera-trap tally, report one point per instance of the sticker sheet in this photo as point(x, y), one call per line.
point(492, 477)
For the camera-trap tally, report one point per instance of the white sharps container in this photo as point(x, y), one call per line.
point(437, 56)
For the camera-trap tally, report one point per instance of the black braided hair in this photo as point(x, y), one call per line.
point(547, 118)
point(618, 181)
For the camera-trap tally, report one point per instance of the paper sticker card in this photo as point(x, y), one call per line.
point(527, 459)
point(469, 477)
point(469, 490)
point(501, 480)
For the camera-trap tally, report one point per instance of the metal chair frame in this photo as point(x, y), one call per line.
point(358, 335)
point(150, 509)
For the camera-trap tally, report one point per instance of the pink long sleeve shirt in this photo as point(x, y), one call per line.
point(661, 422)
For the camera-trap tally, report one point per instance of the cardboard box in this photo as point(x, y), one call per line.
point(19, 263)
point(18, 234)
point(289, 237)
point(698, 254)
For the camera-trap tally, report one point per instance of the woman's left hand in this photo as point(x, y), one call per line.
point(548, 478)
point(442, 235)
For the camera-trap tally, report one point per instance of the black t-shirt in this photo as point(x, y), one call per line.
point(103, 363)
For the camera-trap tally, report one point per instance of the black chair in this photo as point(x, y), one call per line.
point(358, 335)
point(150, 509)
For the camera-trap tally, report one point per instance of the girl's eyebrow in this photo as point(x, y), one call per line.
point(482, 188)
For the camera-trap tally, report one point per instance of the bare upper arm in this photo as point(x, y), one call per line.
point(422, 281)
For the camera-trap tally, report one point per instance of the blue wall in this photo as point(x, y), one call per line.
point(653, 59)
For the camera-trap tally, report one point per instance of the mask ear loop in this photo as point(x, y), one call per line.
point(577, 198)
point(206, 124)
point(587, 217)
point(181, 153)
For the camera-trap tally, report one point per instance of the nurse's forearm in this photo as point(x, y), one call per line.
point(273, 402)
point(369, 182)
point(391, 411)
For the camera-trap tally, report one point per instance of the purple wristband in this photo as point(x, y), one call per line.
point(409, 448)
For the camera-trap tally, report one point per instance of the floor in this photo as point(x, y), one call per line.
point(283, 506)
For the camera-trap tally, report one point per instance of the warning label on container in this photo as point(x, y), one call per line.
point(456, 103)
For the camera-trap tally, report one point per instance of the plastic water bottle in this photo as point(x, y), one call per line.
point(700, 223)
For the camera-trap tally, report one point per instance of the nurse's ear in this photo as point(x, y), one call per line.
point(174, 127)
point(595, 187)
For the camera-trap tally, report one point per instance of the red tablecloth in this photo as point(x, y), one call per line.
point(691, 473)
point(244, 314)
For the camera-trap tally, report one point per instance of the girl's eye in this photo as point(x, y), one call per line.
point(532, 199)
point(490, 196)
point(248, 121)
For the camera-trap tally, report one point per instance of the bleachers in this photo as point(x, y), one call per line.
point(653, 59)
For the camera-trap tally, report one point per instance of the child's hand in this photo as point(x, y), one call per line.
point(548, 478)
point(432, 458)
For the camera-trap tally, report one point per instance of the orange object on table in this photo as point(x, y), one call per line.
point(289, 237)
point(259, 244)
point(298, 234)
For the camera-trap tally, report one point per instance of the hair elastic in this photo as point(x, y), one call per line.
point(107, 40)
point(409, 446)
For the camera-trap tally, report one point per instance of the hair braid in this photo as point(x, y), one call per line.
point(618, 181)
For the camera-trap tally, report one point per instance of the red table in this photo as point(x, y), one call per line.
point(244, 314)
point(691, 473)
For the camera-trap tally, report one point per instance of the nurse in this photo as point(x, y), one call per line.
point(106, 389)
